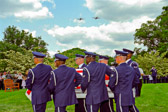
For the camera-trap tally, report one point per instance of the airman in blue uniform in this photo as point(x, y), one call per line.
point(80, 61)
point(122, 82)
point(37, 82)
point(81, 106)
point(62, 84)
point(106, 106)
point(94, 82)
point(154, 74)
point(134, 65)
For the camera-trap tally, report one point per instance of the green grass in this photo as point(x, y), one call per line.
point(154, 98)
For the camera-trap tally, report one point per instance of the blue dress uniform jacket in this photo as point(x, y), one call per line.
point(121, 84)
point(94, 82)
point(37, 82)
point(62, 85)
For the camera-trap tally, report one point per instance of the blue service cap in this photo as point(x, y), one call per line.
point(60, 57)
point(103, 57)
point(127, 50)
point(90, 54)
point(121, 53)
point(38, 54)
point(80, 56)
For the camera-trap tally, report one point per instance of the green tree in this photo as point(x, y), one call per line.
point(24, 39)
point(154, 34)
point(16, 61)
point(4, 46)
point(156, 59)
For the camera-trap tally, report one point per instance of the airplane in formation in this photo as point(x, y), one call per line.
point(80, 19)
point(96, 18)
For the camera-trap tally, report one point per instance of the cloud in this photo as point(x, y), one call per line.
point(52, 53)
point(42, 13)
point(25, 9)
point(33, 32)
point(125, 10)
point(102, 39)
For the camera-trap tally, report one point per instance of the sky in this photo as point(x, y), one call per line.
point(56, 21)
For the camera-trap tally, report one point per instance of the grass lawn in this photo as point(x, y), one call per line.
point(154, 98)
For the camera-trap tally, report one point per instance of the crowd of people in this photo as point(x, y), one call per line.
point(16, 77)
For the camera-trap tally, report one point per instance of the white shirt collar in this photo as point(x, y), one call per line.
point(81, 65)
point(127, 60)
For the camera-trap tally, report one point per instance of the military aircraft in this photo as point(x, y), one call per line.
point(80, 19)
point(96, 18)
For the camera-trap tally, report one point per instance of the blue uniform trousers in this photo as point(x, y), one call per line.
point(107, 106)
point(39, 107)
point(120, 108)
point(81, 106)
point(93, 107)
point(139, 87)
point(136, 91)
point(154, 79)
point(60, 109)
point(133, 108)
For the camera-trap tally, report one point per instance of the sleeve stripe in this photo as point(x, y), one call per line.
point(54, 77)
point(88, 73)
point(116, 76)
point(32, 75)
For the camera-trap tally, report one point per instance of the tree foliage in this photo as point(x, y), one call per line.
point(156, 59)
point(16, 61)
point(24, 39)
point(154, 34)
point(4, 46)
point(71, 55)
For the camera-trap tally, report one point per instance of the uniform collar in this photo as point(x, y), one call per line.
point(63, 65)
point(38, 64)
point(92, 62)
point(80, 66)
point(122, 63)
point(128, 60)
